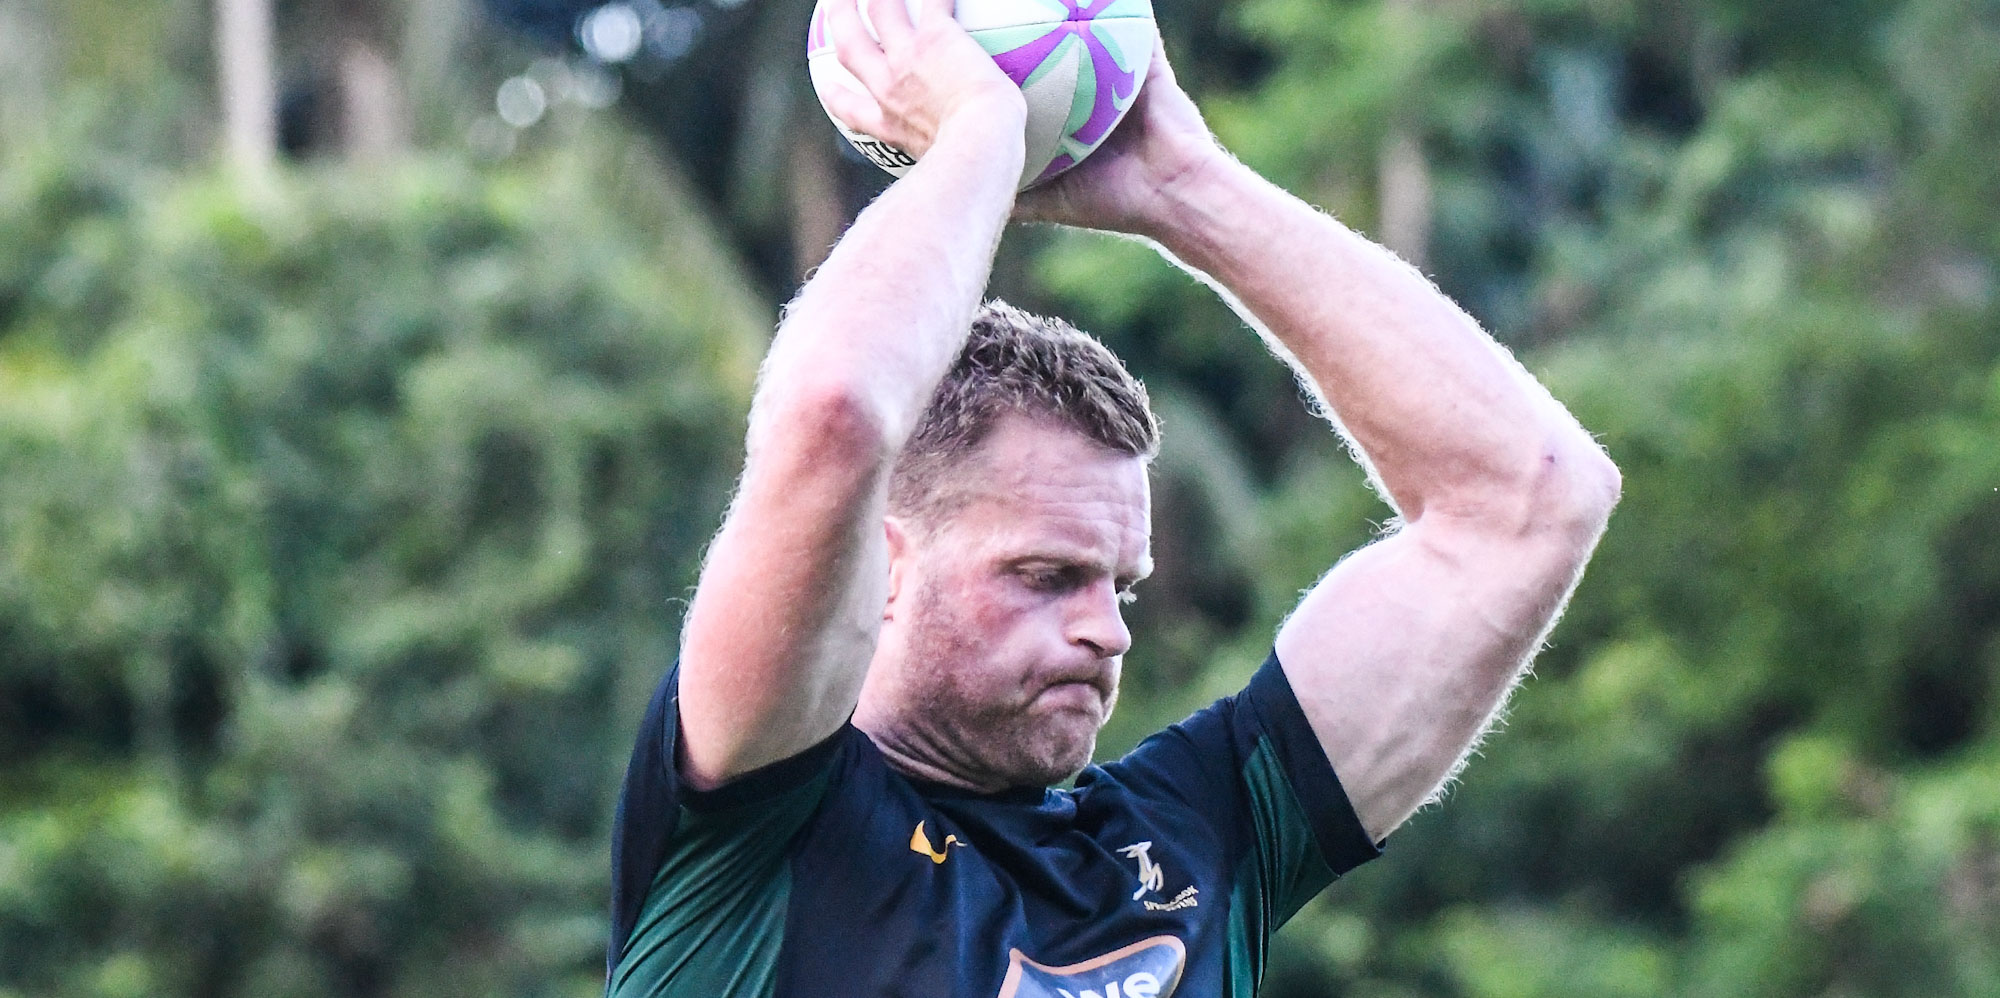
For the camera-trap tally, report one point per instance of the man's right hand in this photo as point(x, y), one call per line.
point(924, 71)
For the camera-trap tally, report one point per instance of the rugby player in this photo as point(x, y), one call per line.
point(908, 632)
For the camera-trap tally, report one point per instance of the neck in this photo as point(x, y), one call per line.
point(911, 753)
point(912, 749)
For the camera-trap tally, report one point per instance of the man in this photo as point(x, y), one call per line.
point(909, 626)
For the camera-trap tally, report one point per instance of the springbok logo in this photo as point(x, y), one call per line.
point(1150, 968)
point(1151, 878)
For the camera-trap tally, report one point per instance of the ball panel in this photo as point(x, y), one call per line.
point(985, 15)
point(1050, 93)
point(1120, 51)
point(1079, 63)
point(1084, 104)
point(816, 39)
point(992, 15)
point(982, 15)
point(1129, 40)
point(1125, 8)
point(998, 40)
point(1106, 84)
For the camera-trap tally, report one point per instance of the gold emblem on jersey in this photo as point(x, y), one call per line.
point(921, 845)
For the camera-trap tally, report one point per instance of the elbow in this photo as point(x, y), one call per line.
point(1572, 492)
point(1556, 497)
point(825, 423)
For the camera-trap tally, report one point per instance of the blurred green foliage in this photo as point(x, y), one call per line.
point(342, 524)
point(335, 527)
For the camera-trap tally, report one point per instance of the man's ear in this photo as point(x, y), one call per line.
point(897, 533)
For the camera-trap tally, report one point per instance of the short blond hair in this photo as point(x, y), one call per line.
point(1019, 363)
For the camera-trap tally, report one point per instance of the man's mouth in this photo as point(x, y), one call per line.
point(1079, 692)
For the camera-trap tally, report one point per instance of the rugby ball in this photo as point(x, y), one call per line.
point(1080, 63)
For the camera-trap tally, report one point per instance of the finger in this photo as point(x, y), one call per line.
point(891, 19)
point(927, 9)
point(857, 111)
point(854, 50)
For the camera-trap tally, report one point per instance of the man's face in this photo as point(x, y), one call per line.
point(1009, 610)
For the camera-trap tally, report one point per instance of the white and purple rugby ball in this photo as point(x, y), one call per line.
point(1080, 63)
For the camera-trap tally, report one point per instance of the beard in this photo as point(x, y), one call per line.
point(996, 723)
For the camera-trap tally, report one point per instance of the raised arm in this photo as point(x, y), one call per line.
point(785, 618)
point(1403, 653)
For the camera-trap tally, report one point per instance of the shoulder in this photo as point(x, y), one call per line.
point(1249, 763)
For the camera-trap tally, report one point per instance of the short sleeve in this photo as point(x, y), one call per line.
point(718, 854)
point(1251, 766)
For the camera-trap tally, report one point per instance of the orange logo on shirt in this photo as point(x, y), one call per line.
point(921, 844)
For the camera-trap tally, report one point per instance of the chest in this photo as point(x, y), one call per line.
point(1102, 897)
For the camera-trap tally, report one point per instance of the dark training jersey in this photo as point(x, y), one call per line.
point(831, 874)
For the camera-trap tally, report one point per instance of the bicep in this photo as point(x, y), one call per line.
point(1404, 652)
point(786, 615)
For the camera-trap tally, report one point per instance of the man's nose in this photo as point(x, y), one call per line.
point(1097, 621)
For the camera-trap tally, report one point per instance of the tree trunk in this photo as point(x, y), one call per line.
point(374, 119)
point(1403, 174)
point(372, 125)
point(1405, 191)
point(435, 36)
point(248, 83)
point(818, 214)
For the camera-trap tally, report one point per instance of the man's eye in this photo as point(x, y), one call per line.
point(1048, 580)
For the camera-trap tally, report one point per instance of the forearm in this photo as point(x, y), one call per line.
point(1447, 419)
point(888, 311)
point(785, 619)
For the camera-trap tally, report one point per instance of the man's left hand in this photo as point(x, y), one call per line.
point(1125, 186)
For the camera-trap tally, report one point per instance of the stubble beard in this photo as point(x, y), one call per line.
point(990, 735)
